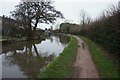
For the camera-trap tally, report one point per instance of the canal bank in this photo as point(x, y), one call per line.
point(18, 57)
point(94, 65)
point(12, 40)
point(62, 66)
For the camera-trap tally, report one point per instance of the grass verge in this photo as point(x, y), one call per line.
point(105, 67)
point(61, 67)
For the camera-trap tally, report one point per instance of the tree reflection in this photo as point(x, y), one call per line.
point(26, 56)
point(29, 62)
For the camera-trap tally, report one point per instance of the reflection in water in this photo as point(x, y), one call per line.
point(64, 39)
point(27, 59)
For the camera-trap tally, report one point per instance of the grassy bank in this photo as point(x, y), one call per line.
point(105, 66)
point(61, 67)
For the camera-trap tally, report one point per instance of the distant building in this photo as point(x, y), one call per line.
point(11, 27)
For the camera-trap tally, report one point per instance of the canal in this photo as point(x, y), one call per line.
point(28, 58)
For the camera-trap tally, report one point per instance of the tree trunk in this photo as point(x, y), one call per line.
point(36, 24)
point(29, 24)
point(30, 29)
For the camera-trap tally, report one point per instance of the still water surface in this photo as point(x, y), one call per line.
point(27, 59)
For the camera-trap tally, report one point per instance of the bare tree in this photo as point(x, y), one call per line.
point(88, 20)
point(32, 13)
point(119, 10)
point(112, 10)
point(84, 18)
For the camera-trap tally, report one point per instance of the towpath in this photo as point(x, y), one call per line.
point(84, 66)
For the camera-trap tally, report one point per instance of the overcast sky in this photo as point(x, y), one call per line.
point(69, 8)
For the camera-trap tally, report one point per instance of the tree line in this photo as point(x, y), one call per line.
point(105, 30)
point(69, 28)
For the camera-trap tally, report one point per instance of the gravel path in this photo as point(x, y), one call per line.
point(84, 66)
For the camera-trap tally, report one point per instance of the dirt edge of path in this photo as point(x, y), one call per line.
point(84, 66)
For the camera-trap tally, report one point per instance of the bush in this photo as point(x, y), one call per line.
point(106, 31)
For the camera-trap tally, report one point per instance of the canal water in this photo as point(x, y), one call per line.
point(28, 58)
